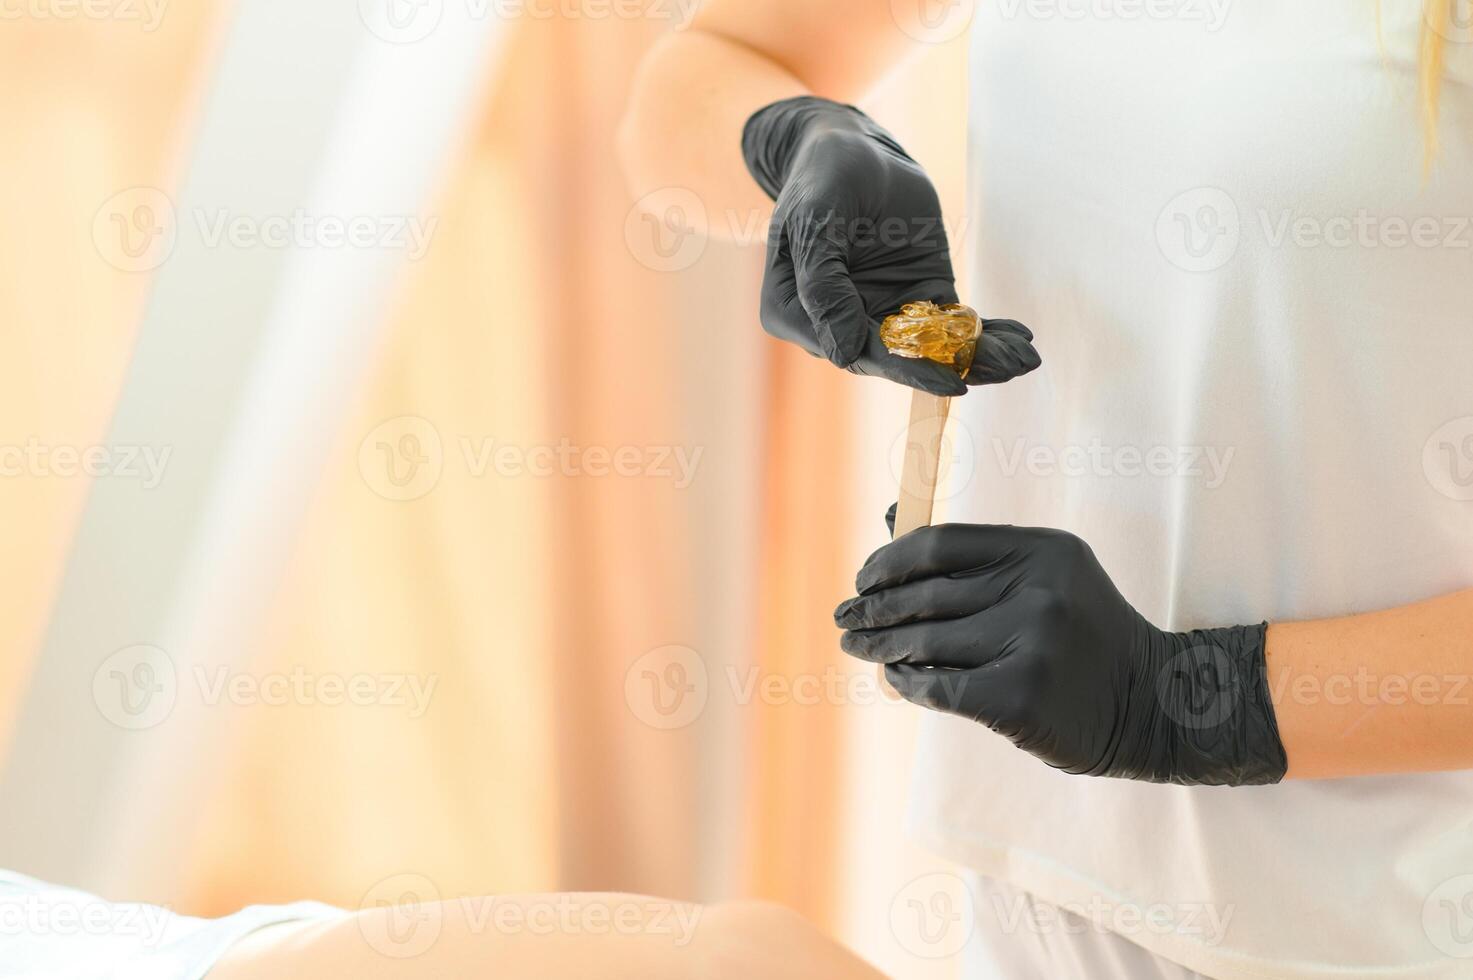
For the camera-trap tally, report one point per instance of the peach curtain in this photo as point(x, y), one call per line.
point(535, 320)
point(528, 600)
point(89, 108)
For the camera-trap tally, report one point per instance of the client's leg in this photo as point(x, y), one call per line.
point(574, 936)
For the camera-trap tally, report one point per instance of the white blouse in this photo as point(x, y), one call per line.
point(1256, 403)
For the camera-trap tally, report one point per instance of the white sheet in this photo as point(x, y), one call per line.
point(48, 932)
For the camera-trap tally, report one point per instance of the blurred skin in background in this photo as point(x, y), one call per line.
point(728, 942)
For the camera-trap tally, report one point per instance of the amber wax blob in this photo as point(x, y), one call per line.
point(944, 334)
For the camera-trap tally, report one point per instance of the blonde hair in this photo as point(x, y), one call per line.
point(1431, 58)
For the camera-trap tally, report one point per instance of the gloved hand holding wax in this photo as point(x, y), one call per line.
point(856, 234)
point(1020, 629)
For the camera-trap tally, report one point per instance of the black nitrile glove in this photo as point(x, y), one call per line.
point(1019, 628)
point(856, 234)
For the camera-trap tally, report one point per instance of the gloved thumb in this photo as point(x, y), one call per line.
point(890, 518)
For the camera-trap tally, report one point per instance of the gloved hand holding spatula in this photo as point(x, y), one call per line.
point(857, 233)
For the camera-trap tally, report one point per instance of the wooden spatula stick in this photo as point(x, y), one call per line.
point(920, 470)
point(947, 335)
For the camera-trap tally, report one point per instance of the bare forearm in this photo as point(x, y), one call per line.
point(693, 94)
point(697, 88)
point(1382, 692)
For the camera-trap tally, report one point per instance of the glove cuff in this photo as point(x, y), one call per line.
point(1215, 690)
point(772, 136)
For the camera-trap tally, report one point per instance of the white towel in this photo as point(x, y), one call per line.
point(48, 932)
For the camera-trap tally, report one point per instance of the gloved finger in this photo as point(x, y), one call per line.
point(1004, 352)
point(946, 644)
point(890, 517)
point(840, 321)
point(781, 313)
point(784, 317)
point(1003, 695)
point(1007, 327)
point(912, 372)
point(942, 292)
point(930, 599)
point(942, 549)
point(951, 691)
point(897, 285)
point(954, 643)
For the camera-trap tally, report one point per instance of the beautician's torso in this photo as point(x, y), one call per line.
point(1256, 403)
